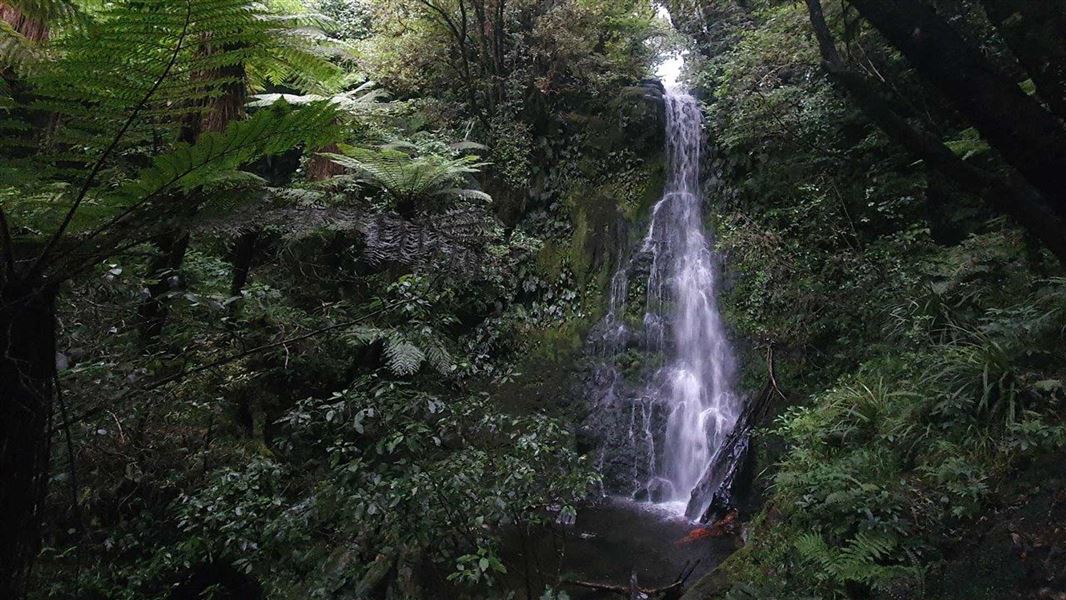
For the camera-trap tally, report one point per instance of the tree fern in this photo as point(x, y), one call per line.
point(411, 180)
point(265, 133)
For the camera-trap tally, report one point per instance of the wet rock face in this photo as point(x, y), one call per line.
point(624, 428)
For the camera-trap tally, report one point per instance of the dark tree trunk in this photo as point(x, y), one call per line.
point(27, 376)
point(243, 253)
point(719, 489)
point(320, 168)
point(1035, 31)
point(164, 269)
point(1028, 136)
point(1006, 195)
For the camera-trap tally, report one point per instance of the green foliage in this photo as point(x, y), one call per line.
point(858, 562)
point(326, 410)
point(387, 479)
point(133, 84)
point(351, 19)
point(511, 149)
point(877, 474)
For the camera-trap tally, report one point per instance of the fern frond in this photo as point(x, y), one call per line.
point(813, 548)
point(407, 178)
point(437, 355)
point(359, 101)
point(217, 155)
point(466, 194)
point(403, 357)
point(467, 145)
point(213, 162)
point(106, 69)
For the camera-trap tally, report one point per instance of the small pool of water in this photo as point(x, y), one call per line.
point(608, 542)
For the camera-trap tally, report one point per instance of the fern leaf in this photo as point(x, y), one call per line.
point(403, 358)
point(216, 155)
point(212, 163)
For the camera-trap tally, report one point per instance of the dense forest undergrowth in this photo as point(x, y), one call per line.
point(294, 294)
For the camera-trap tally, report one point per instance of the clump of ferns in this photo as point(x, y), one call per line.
point(875, 560)
point(851, 414)
point(993, 373)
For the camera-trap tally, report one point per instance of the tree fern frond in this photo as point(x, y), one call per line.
point(103, 70)
point(354, 102)
point(467, 145)
point(214, 161)
point(266, 133)
point(407, 178)
point(466, 194)
point(403, 357)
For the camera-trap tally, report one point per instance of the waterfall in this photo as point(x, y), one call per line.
point(666, 426)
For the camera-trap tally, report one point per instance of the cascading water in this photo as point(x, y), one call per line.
point(658, 434)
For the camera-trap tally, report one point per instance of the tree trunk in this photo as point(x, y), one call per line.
point(164, 268)
point(30, 29)
point(717, 491)
point(243, 253)
point(1009, 195)
point(1035, 31)
point(27, 376)
point(1029, 137)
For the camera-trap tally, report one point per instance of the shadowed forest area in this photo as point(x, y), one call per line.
point(532, 299)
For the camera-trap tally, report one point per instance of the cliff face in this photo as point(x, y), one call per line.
point(599, 175)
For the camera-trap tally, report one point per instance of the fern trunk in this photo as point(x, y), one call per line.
point(165, 268)
point(27, 376)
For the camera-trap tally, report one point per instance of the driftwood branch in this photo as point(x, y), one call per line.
point(633, 590)
point(624, 590)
